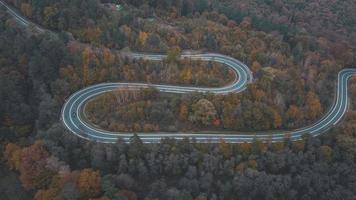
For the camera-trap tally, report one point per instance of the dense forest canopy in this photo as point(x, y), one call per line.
point(295, 50)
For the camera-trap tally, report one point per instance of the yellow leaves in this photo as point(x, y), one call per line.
point(49, 12)
point(173, 54)
point(277, 147)
point(326, 153)
point(245, 148)
point(225, 149)
point(255, 66)
point(86, 56)
point(187, 75)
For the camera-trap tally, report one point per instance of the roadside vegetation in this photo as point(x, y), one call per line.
point(295, 63)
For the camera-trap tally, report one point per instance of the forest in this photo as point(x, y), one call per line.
point(294, 61)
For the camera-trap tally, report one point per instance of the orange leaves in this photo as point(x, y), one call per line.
point(13, 156)
point(277, 120)
point(85, 65)
point(293, 112)
point(313, 106)
point(30, 162)
point(89, 183)
point(92, 34)
point(46, 194)
point(142, 37)
point(108, 57)
point(183, 112)
point(216, 122)
point(129, 194)
point(32, 167)
point(228, 115)
point(259, 94)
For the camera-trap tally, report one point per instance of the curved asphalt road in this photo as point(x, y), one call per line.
point(72, 108)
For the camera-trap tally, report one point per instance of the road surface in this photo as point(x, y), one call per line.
point(72, 120)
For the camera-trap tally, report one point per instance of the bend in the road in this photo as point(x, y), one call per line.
point(244, 76)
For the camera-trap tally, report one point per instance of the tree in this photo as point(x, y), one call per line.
point(183, 112)
point(33, 171)
point(89, 183)
point(293, 112)
point(313, 106)
point(85, 65)
point(203, 112)
point(173, 54)
point(49, 13)
point(255, 66)
point(154, 43)
point(92, 34)
point(13, 156)
point(225, 149)
point(129, 194)
point(201, 5)
point(108, 57)
point(277, 120)
point(187, 75)
point(228, 115)
point(142, 37)
point(46, 194)
point(210, 41)
point(136, 148)
point(26, 8)
point(69, 191)
point(326, 153)
point(201, 197)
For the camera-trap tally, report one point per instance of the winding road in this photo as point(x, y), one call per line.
point(72, 109)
